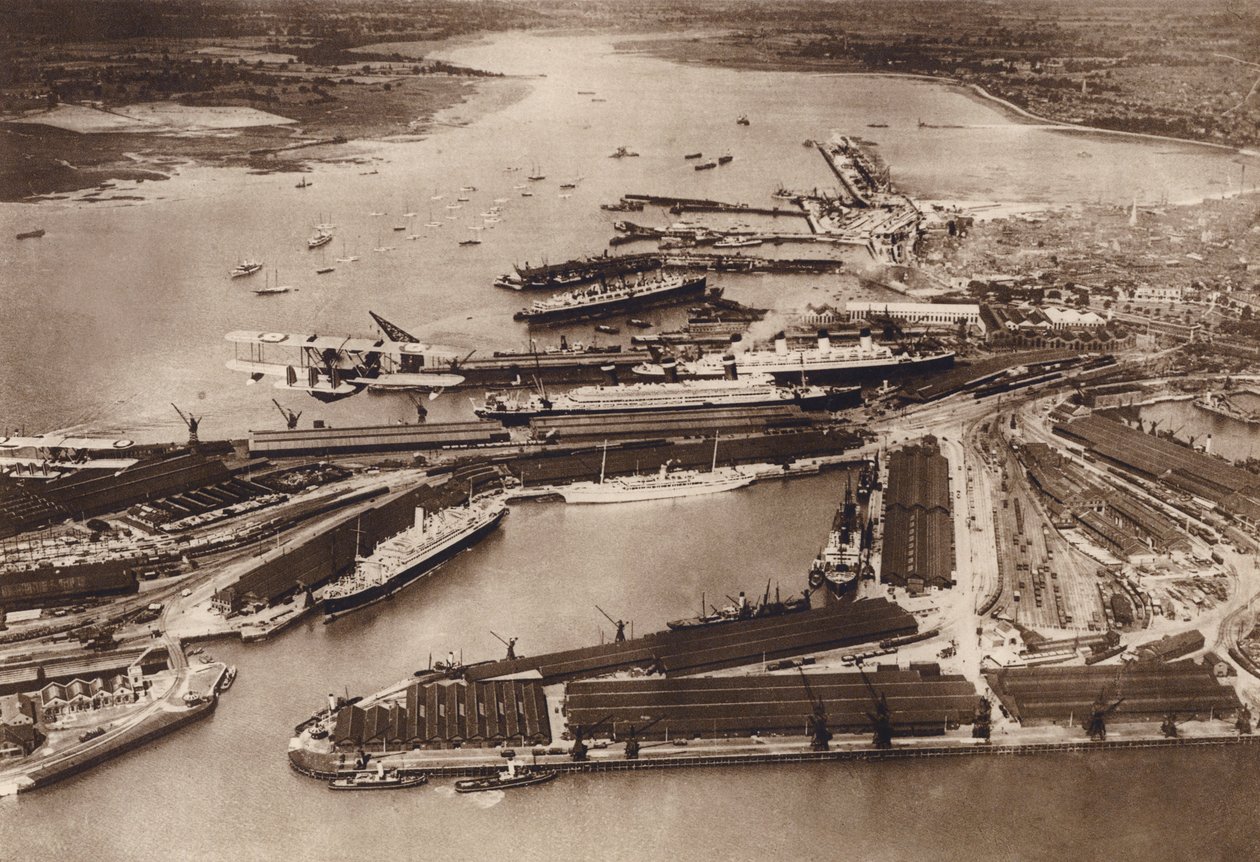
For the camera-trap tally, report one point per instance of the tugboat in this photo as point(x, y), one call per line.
point(511, 776)
point(623, 153)
point(725, 159)
point(38, 232)
point(381, 779)
point(743, 120)
point(705, 166)
point(321, 238)
point(229, 677)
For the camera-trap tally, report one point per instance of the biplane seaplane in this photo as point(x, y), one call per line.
point(48, 456)
point(330, 367)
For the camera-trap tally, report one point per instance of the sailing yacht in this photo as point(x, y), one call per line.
point(664, 484)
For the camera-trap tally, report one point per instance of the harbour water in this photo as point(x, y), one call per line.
point(126, 309)
point(1231, 438)
point(122, 307)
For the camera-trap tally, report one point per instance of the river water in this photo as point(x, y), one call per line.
point(117, 312)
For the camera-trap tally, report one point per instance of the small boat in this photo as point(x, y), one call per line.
point(319, 239)
point(246, 267)
point(229, 677)
point(381, 779)
point(606, 329)
point(454, 206)
point(737, 242)
point(639, 323)
point(324, 270)
point(569, 185)
point(527, 194)
point(270, 289)
point(303, 184)
point(623, 153)
point(500, 200)
point(877, 125)
point(89, 735)
point(725, 159)
point(433, 224)
point(704, 166)
point(467, 188)
point(743, 120)
point(462, 199)
point(586, 92)
point(35, 234)
point(693, 155)
point(400, 227)
point(536, 174)
point(470, 241)
point(513, 776)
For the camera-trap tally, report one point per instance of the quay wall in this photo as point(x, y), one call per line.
point(869, 754)
point(130, 740)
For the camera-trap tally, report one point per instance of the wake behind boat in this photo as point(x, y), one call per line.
point(396, 562)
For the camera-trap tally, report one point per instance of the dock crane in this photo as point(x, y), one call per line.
point(1243, 723)
point(192, 422)
point(982, 725)
point(620, 624)
point(290, 417)
point(422, 412)
point(1096, 723)
point(881, 719)
point(632, 738)
point(510, 643)
point(819, 734)
point(582, 732)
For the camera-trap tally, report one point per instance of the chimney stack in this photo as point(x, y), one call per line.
point(780, 343)
point(728, 367)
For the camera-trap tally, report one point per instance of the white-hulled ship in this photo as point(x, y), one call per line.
point(430, 541)
point(246, 267)
point(826, 361)
point(604, 299)
point(662, 485)
point(518, 407)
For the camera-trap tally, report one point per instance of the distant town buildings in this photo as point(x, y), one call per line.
point(919, 313)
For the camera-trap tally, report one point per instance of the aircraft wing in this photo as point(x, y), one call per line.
point(406, 380)
point(342, 344)
point(322, 386)
point(90, 464)
point(61, 441)
point(250, 366)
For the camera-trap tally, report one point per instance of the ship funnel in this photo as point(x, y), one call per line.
point(864, 338)
point(824, 341)
point(728, 367)
point(737, 343)
point(1207, 445)
point(332, 703)
point(610, 371)
point(564, 343)
point(780, 343)
point(670, 367)
point(420, 518)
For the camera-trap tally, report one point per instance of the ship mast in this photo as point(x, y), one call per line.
point(602, 462)
point(716, 432)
